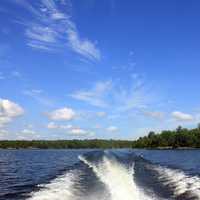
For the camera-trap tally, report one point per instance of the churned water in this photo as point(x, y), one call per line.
point(99, 174)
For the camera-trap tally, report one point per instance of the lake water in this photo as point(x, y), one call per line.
point(99, 174)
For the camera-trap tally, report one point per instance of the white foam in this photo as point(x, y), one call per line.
point(118, 179)
point(60, 188)
point(180, 182)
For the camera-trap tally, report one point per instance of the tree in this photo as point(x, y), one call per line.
point(179, 129)
point(181, 137)
point(198, 126)
point(151, 134)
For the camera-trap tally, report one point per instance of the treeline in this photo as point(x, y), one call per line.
point(65, 144)
point(179, 138)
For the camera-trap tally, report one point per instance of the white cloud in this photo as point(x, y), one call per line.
point(182, 116)
point(3, 132)
point(53, 125)
point(78, 131)
point(27, 134)
point(154, 114)
point(72, 131)
point(69, 126)
point(38, 45)
point(112, 129)
point(101, 114)
point(136, 96)
point(28, 131)
point(32, 92)
point(82, 46)
point(42, 34)
point(62, 114)
point(8, 111)
point(58, 16)
point(52, 29)
point(39, 96)
point(4, 120)
point(12, 74)
point(117, 96)
point(94, 96)
point(81, 132)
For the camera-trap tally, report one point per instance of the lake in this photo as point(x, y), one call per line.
point(99, 174)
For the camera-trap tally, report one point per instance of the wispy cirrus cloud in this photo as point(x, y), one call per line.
point(95, 96)
point(52, 29)
point(84, 47)
point(119, 97)
point(39, 96)
point(9, 75)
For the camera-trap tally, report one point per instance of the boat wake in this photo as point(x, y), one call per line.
point(106, 176)
point(182, 184)
point(57, 189)
point(118, 179)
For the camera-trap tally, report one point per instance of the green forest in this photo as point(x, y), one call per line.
point(66, 144)
point(166, 139)
point(181, 137)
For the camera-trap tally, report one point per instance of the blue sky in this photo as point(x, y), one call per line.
point(98, 69)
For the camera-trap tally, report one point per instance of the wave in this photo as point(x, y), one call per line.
point(118, 179)
point(183, 185)
point(102, 175)
point(57, 189)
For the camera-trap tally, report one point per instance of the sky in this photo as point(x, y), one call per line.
point(72, 69)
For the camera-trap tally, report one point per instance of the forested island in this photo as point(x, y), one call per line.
point(167, 139)
point(65, 144)
point(179, 138)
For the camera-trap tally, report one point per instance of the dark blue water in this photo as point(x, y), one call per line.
point(99, 175)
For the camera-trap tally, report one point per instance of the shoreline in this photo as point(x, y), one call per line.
point(156, 148)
